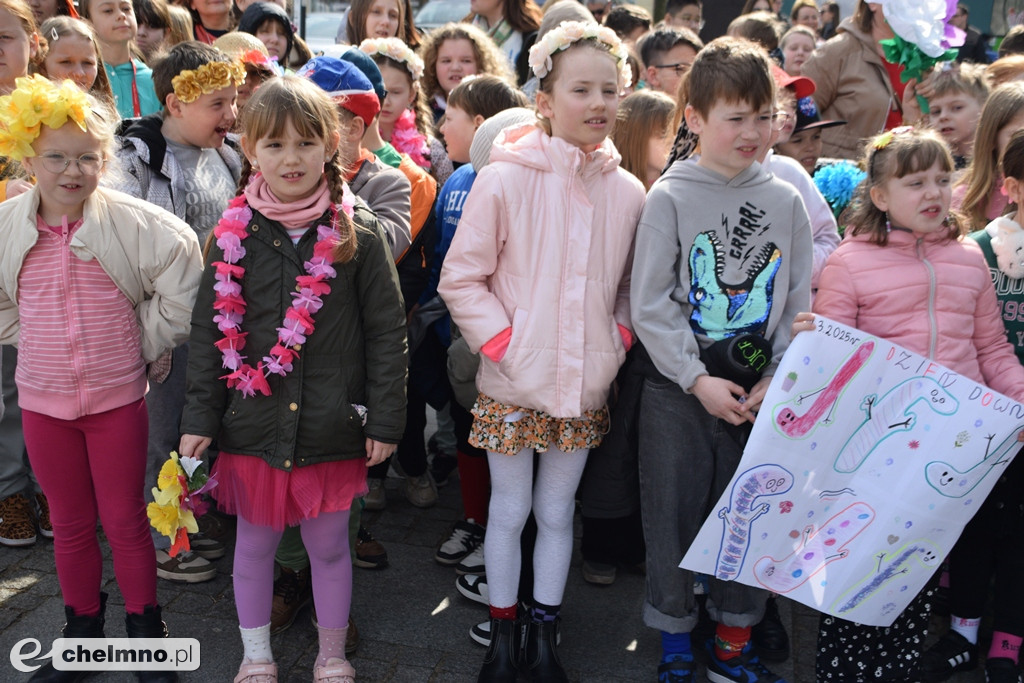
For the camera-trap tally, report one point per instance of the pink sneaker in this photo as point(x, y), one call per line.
point(335, 671)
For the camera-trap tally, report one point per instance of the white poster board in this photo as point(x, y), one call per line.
point(863, 466)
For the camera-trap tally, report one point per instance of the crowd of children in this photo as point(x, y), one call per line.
point(216, 243)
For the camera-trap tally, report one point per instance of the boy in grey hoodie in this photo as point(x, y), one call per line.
point(722, 265)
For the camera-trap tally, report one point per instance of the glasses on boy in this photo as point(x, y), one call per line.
point(679, 67)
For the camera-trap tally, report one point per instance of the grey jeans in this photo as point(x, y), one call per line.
point(687, 458)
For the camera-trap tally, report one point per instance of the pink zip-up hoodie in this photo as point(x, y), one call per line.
point(80, 346)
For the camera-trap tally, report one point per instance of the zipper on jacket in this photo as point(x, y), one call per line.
point(576, 168)
point(932, 331)
point(65, 274)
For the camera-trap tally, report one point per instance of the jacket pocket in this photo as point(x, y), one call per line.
point(519, 318)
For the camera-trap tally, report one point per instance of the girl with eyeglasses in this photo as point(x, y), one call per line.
point(95, 285)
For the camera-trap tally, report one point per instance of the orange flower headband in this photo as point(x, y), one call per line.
point(191, 84)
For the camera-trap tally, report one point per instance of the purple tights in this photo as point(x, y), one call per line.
point(326, 541)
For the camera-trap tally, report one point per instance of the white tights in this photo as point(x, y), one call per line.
point(552, 497)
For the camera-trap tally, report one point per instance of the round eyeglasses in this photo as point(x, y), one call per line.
point(56, 162)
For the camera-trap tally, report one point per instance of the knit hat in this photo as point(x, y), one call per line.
point(346, 85)
point(362, 61)
point(487, 132)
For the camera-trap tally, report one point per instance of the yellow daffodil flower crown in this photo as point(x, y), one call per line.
point(34, 102)
point(191, 84)
point(569, 32)
point(396, 50)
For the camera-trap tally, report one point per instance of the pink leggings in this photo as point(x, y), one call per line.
point(326, 541)
point(95, 466)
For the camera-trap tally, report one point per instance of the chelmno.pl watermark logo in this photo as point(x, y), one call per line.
point(109, 654)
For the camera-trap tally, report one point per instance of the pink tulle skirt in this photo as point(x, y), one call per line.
point(263, 495)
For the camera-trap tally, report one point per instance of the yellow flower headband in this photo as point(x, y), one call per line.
point(34, 102)
point(191, 84)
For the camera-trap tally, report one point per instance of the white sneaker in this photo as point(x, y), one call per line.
point(472, 563)
point(466, 537)
point(474, 587)
point(481, 633)
point(185, 568)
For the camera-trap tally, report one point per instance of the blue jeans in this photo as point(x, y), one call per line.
point(687, 458)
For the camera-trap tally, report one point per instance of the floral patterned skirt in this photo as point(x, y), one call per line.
point(507, 429)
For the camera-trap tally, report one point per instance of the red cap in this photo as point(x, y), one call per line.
point(803, 86)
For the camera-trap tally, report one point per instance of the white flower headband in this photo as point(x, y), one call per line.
point(396, 50)
point(567, 33)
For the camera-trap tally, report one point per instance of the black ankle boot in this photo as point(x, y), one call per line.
point(149, 625)
point(770, 640)
point(75, 627)
point(501, 663)
point(540, 653)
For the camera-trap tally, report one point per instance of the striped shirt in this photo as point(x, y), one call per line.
point(80, 345)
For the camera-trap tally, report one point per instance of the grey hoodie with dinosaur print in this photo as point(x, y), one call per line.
point(715, 258)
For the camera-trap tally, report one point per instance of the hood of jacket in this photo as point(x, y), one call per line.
point(692, 172)
point(258, 12)
point(147, 131)
point(528, 145)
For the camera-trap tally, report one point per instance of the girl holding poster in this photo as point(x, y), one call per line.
point(904, 274)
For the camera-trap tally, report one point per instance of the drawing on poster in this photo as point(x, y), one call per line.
point(799, 426)
point(869, 464)
point(951, 482)
point(818, 548)
point(890, 415)
point(737, 517)
point(889, 567)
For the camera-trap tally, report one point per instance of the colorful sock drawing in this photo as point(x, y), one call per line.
point(892, 414)
point(817, 549)
point(952, 483)
point(799, 426)
point(755, 483)
point(888, 567)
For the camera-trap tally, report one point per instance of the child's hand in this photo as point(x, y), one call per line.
point(719, 397)
point(803, 322)
point(192, 446)
point(755, 397)
point(17, 186)
point(377, 452)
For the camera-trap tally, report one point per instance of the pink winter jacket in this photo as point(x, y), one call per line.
point(545, 246)
point(932, 296)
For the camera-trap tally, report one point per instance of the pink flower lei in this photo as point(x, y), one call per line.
point(408, 140)
point(298, 319)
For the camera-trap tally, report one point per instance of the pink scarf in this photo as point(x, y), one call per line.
point(291, 215)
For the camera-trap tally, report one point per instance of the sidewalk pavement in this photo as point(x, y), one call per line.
point(414, 624)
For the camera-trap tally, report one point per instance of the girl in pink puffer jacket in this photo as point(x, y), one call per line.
point(537, 279)
point(905, 273)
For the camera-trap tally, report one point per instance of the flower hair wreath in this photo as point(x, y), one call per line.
point(569, 32)
point(191, 84)
point(34, 102)
point(396, 50)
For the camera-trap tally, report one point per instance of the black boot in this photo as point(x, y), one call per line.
point(149, 625)
point(501, 663)
point(75, 627)
point(770, 640)
point(540, 653)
